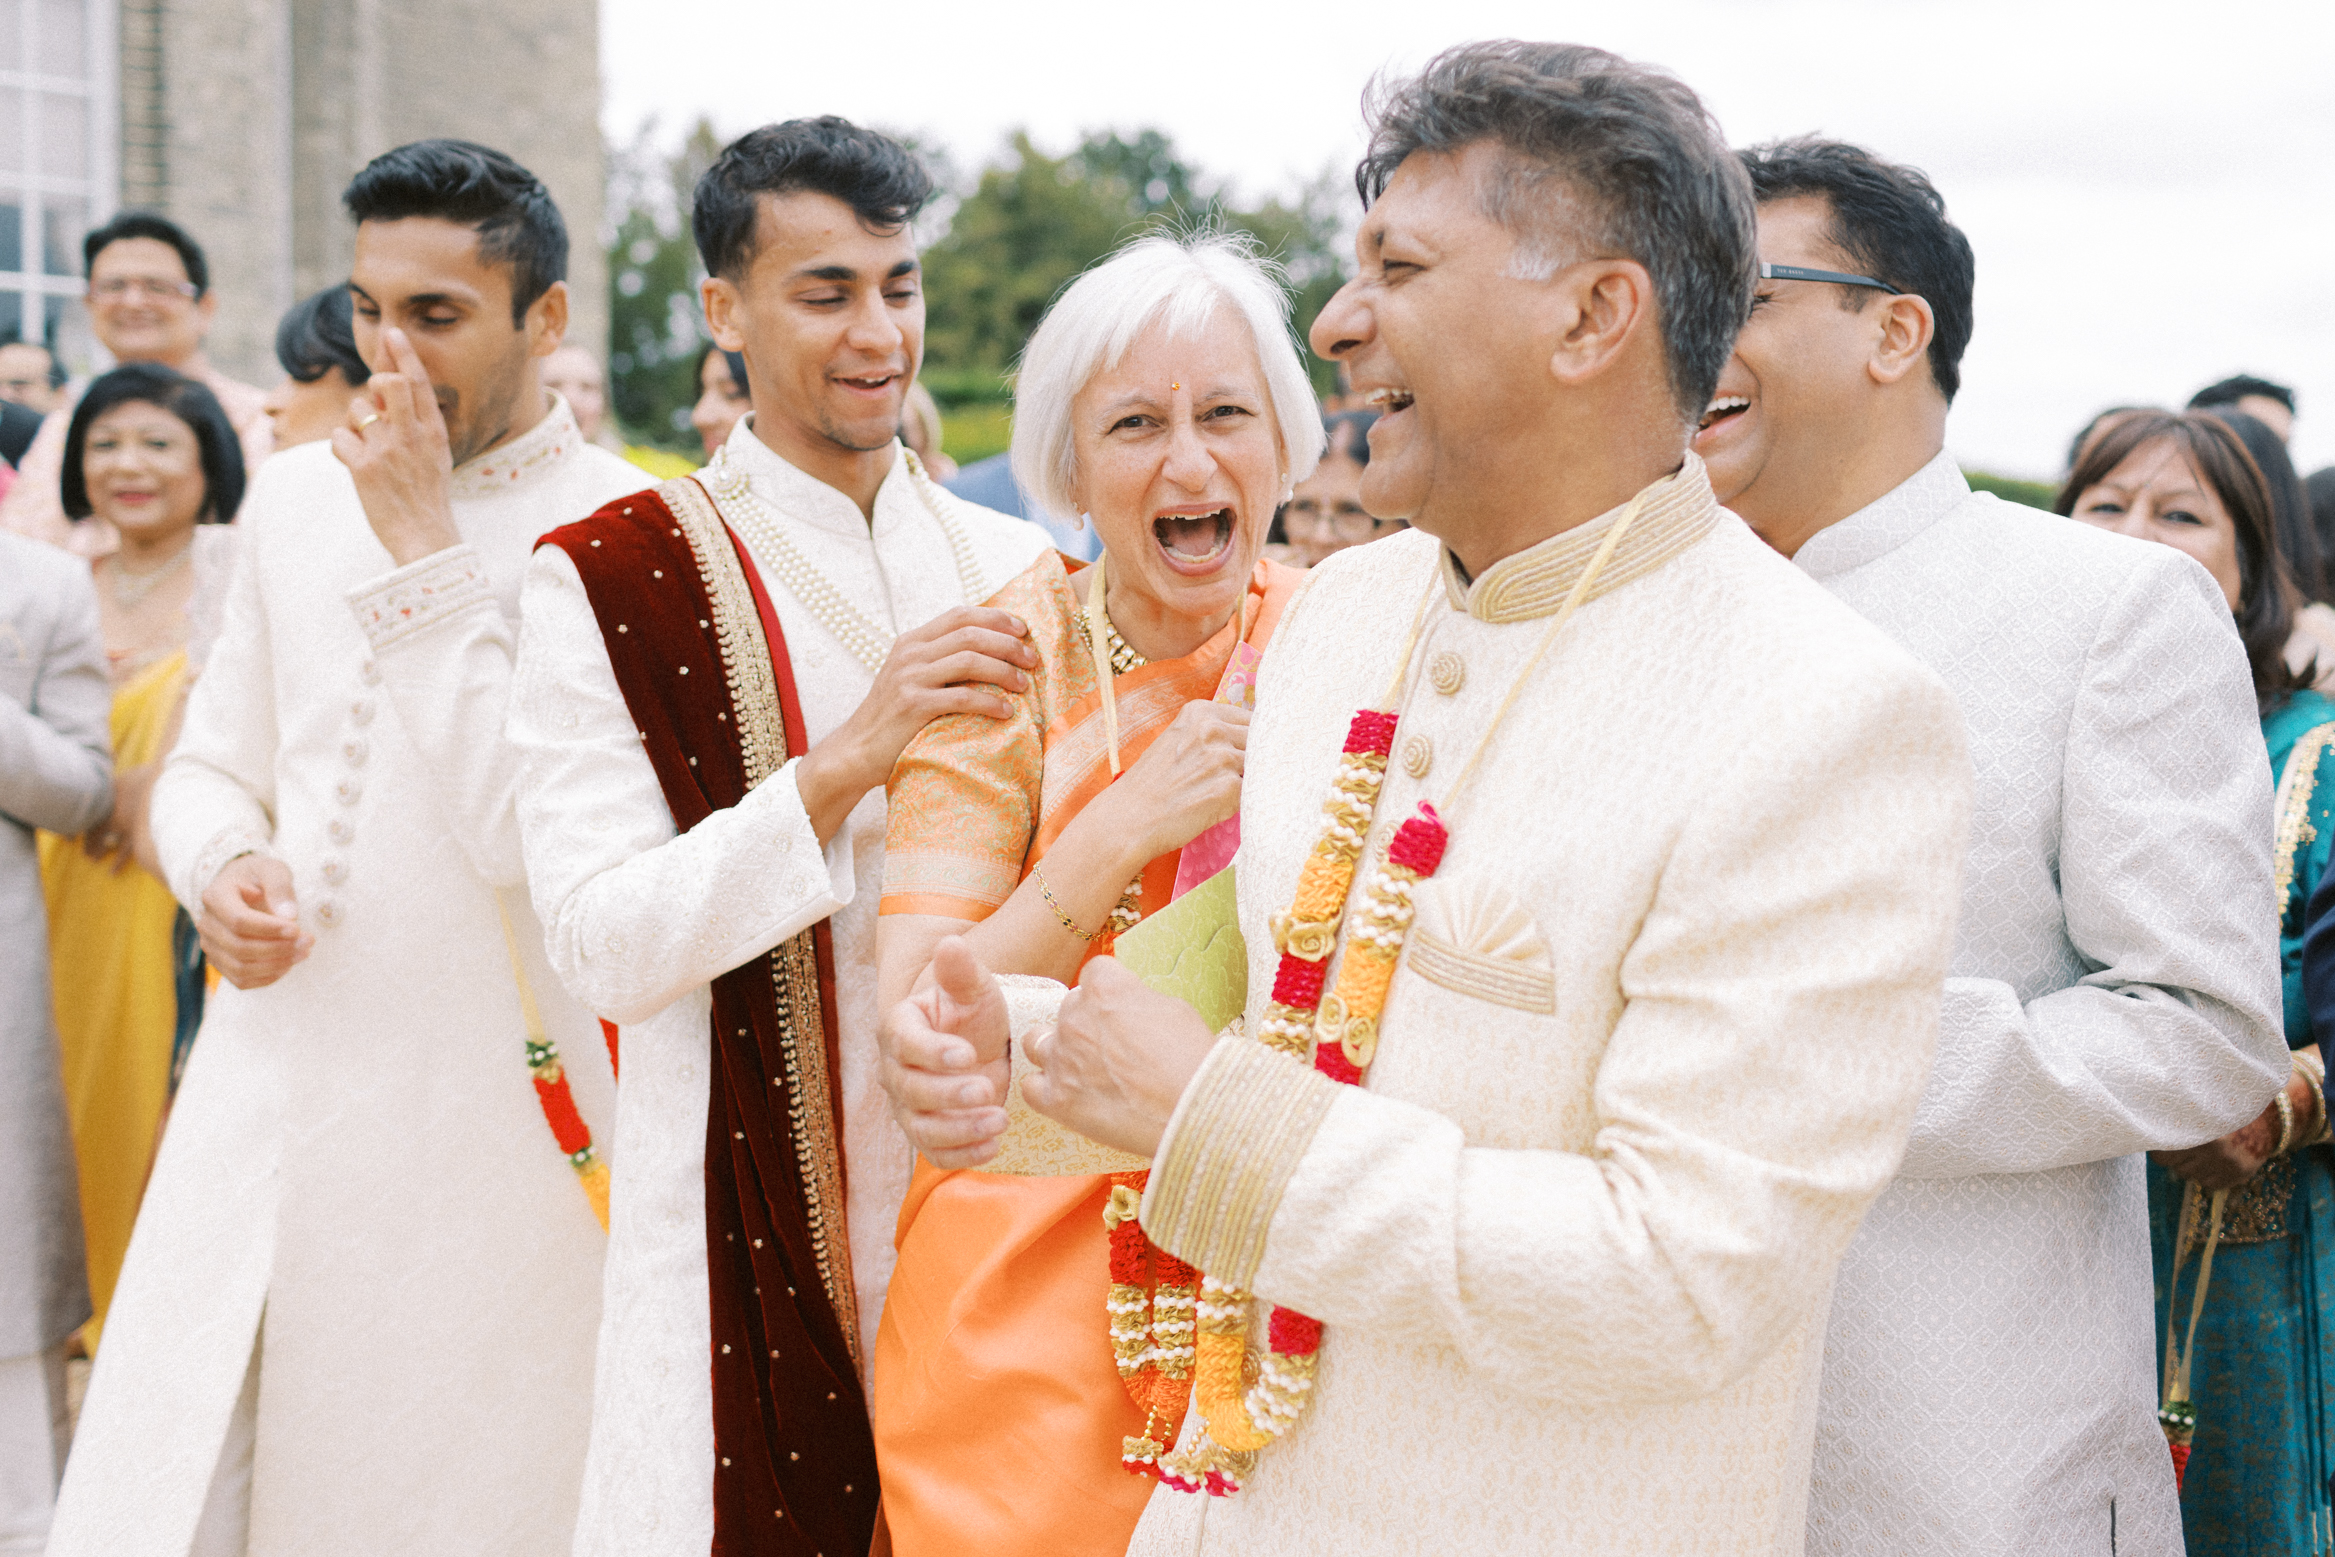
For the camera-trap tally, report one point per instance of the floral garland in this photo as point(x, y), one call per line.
point(567, 1125)
point(1340, 1033)
point(1153, 1297)
point(1341, 1030)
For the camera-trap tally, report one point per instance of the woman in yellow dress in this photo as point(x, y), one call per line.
point(1163, 399)
point(152, 453)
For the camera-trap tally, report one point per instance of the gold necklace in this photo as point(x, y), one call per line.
point(1122, 655)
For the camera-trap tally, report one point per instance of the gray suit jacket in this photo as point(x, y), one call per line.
point(56, 771)
point(1989, 1383)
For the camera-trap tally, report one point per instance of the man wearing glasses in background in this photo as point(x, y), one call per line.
point(1989, 1383)
point(1325, 515)
point(149, 301)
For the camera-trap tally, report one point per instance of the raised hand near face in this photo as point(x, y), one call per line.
point(1116, 1060)
point(396, 449)
point(944, 1060)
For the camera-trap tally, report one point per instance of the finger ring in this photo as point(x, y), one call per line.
point(369, 421)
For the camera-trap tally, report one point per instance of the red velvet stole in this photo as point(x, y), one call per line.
point(795, 1468)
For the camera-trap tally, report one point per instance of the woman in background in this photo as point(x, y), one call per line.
point(152, 453)
point(2256, 1474)
point(318, 353)
point(1325, 515)
point(722, 397)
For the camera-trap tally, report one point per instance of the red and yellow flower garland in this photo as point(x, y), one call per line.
point(1152, 1303)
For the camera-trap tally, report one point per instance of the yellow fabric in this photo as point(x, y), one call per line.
point(998, 1410)
point(658, 462)
point(109, 953)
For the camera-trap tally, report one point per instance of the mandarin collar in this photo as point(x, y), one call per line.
point(1678, 511)
point(507, 467)
point(805, 499)
point(1888, 522)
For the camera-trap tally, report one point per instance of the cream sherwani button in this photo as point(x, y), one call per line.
point(335, 872)
point(328, 913)
point(361, 711)
point(1447, 673)
point(371, 673)
point(339, 830)
point(355, 751)
point(1418, 755)
point(347, 791)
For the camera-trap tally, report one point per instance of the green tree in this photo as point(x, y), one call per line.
point(656, 329)
point(1035, 221)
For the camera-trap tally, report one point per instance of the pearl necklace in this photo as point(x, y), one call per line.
point(868, 641)
point(129, 588)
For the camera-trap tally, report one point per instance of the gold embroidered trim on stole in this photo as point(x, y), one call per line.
point(2256, 1212)
point(1236, 1138)
point(2294, 808)
point(1534, 583)
point(753, 688)
point(1500, 980)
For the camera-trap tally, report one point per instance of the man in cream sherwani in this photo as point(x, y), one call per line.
point(1989, 1374)
point(876, 577)
point(358, 1312)
point(1666, 1005)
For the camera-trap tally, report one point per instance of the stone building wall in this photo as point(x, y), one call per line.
point(267, 107)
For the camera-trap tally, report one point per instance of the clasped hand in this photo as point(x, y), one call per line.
point(1111, 1066)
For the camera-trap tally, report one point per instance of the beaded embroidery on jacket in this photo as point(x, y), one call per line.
point(868, 641)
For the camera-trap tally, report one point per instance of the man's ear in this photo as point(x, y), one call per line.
point(1903, 345)
point(721, 301)
point(1597, 306)
point(207, 309)
point(547, 321)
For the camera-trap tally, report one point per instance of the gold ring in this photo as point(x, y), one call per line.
point(369, 421)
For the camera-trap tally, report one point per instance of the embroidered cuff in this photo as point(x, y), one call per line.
point(226, 846)
point(397, 605)
point(1238, 1133)
point(1034, 1145)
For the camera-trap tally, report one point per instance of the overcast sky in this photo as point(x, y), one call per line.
point(2150, 188)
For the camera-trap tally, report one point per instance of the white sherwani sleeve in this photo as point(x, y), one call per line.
point(634, 915)
point(444, 649)
point(2164, 870)
point(216, 795)
point(1771, 1031)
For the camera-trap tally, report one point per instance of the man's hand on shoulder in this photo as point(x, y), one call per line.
point(948, 666)
point(396, 449)
point(250, 924)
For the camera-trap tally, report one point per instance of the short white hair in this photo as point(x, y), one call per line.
point(1178, 280)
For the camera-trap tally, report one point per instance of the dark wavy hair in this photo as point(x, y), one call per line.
point(150, 383)
point(883, 182)
point(1641, 158)
point(315, 337)
point(2290, 507)
point(517, 223)
point(149, 224)
point(2266, 593)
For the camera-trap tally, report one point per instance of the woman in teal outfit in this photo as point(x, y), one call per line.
point(2259, 1369)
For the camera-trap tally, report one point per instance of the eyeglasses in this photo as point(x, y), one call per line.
point(1347, 521)
point(1838, 277)
point(114, 288)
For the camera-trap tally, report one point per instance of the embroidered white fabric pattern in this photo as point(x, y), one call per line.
point(416, 596)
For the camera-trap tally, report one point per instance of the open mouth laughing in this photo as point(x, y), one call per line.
point(1721, 409)
point(1386, 402)
point(1194, 541)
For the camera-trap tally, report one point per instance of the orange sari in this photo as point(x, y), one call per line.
point(998, 1409)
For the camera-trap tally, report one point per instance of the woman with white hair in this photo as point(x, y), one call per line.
point(1163, 399)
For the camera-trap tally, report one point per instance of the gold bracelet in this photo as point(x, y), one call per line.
point(2315, 1077)
point(2285, 1125)
point(1067, 922)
